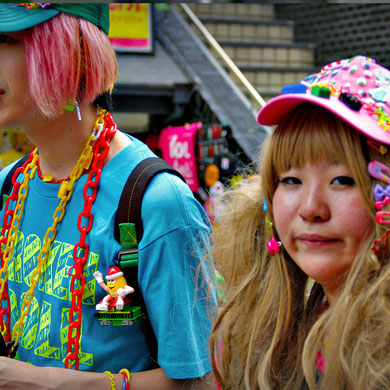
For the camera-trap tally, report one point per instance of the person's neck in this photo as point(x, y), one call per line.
point(61, 140)
point(331, 294)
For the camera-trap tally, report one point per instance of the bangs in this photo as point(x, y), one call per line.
point(311, 136)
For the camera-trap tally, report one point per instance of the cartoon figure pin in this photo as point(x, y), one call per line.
point(116, 287)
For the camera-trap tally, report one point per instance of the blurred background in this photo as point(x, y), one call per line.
point(192, 76)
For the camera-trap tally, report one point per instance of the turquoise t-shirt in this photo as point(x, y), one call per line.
point(176, 234)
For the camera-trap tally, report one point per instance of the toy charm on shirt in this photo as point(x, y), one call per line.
point(116, 287)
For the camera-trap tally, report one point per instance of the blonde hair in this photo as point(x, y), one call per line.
point(268, 332)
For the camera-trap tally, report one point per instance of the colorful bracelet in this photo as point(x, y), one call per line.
point(126, 378)
point(112, 380)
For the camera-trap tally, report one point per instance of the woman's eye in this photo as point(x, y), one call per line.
point(290, 180)
point(343, 180)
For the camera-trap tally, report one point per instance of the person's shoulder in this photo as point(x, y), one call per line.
point(122, 164)
point(164, 185)
point(168, 188)
point(169, 199)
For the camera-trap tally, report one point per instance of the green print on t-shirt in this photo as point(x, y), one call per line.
point(55, 282)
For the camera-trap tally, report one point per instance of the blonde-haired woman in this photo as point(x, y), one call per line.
point(317, 211)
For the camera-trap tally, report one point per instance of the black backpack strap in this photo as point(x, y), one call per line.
point(128, 231)
point(129, 208)
point(7, 184)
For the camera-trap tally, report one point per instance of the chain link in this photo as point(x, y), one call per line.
point(81, 249)
point(65, 193)
point(10, 231)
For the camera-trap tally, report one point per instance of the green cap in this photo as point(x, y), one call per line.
point(17, 17)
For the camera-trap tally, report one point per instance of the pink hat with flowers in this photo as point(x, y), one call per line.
point(357, 90)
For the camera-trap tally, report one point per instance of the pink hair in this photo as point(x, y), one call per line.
point(68, 58)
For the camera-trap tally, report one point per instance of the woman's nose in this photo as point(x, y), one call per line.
point(314, 206)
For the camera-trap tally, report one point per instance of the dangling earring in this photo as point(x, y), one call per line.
point(72, 104)
point(77, 110)
point(272, 244)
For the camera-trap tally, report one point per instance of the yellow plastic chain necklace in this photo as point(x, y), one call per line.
point(65, 193)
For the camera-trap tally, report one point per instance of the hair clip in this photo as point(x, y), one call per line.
point(380, 204)
point(380, 192)
point(382, 149)
point(379, 171)
point(380, 217)
point(382, 242)
point(265, 207)
point(268, 225)
point(273, 246)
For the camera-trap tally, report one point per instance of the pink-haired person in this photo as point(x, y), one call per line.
point(56, 63)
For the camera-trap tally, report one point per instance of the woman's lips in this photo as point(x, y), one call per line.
point(316, 239)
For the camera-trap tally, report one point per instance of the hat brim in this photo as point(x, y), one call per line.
point(278, 109)
point(17, 18)
point(114, 276)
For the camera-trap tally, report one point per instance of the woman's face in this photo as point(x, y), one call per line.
point(321, 221)
point(16, 106)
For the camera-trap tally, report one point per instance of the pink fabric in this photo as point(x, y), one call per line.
point(129, 42)
point(178, 149)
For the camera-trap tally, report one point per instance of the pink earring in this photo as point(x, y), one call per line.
point(273, 246)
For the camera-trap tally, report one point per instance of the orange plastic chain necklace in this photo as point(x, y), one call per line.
point(91, 158)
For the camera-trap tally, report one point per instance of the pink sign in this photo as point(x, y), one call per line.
point(177, 145)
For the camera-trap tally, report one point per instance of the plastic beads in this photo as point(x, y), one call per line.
point(112, 380)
